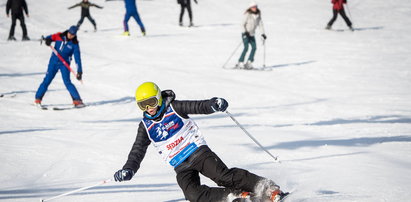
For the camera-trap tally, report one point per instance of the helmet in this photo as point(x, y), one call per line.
point(148, 94)
point(73, 30)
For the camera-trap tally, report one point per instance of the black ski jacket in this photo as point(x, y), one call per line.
point(16, 7)
point(85, 7)
point(182, 108)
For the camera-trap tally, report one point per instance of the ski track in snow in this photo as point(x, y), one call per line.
point(335, 106)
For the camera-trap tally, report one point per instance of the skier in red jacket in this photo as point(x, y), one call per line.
point(339, 8)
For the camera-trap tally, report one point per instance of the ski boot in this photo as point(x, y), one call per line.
point(239, 65)
point(11, 38)
point(180, 24)
point(78, 104)
point(191, 24)
point(248, 65)
point(328, 27)
point(278, 195)
point(25, 38)
point(126, 33)
point(352, 29)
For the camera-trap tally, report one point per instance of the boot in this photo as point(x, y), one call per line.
point(181, 24)
point(78, 104)
point(25, 38)
point(12, 38)
point(126, 33)
point(239, 65)
point(277, 195)
point(248, 65)
point(328, 27)
point(191, 24)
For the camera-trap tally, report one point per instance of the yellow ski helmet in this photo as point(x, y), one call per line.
point(148, 95)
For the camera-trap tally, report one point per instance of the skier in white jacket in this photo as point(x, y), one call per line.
point(252, 20)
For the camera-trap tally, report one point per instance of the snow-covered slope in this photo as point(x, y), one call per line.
point(335, 107)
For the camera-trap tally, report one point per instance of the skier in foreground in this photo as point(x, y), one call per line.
point(66, 44)
point(252, 19)
point(178, 140)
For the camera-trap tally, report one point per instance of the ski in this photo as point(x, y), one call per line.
point(8, 95)
point(253, 198)
point(252, 69)
point(40, 106)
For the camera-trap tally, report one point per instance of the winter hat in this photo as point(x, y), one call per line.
point(252, 4)
point(73, 30)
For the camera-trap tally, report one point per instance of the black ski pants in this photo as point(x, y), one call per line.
point(14, 18)
point(186, 4)
point(207, 163)
point(342, 13)
point(89, 18)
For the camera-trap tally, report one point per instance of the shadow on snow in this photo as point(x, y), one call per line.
point(50, 192)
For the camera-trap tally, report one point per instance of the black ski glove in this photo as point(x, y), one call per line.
point(264, 36)
point(247, 34)
point(48, 41)
point(123, 175)
point(219, 104)
point(79, 75)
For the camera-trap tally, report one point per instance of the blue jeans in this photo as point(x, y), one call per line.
point(248, 40)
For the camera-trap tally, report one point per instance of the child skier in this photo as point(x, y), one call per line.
point(17, 7)
point(85, 12)
point(131, 11)
point(251, 21)
point(66, 44)
point(166, 124)
point(338, 7)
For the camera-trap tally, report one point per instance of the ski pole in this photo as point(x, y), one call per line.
point(249, 135)
point(264, 52)
point(64, 62)
point(77, 190)
point(235, 50)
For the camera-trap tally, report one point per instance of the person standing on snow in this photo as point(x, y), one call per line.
point(85, 12)
point(252, 19)
point(17, 7)
point(338, 8)
point(186, 4)
point(177, 138)
point(67, 45)
point(131, 11)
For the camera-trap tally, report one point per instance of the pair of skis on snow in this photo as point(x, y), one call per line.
point(45, 107)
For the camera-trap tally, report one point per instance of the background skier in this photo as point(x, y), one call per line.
point(131, 11)
point(17, 7)
point(85, 12)
point(66, 44)
point(178, 140)
point(186, 4)
point(338, 8)
point(252, 19)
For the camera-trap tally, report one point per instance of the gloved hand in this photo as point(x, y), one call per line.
point(196, 1)
point(123, 175)
point(264, 36)
point(48, 41)
point(219, 104)
point(247, 34)
point(79, 75)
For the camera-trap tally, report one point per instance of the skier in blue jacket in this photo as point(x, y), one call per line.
point(67, 45)
point(131, 11)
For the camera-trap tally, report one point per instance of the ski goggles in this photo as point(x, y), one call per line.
point(148, 103)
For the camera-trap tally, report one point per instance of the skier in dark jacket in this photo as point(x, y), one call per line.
point(166, 124)
point(67, 45)
point(186, 4)
point(85, 12)
point(131, 11)
point(17, 7)
point(338, 8)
